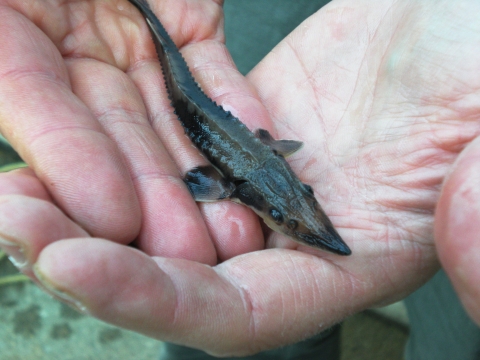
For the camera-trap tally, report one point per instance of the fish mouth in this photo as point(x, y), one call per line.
point(328, 240)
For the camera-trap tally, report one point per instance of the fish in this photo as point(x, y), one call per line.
point(246, 167)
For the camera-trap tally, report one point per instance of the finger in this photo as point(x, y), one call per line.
point(23, 182)
point(457, 225)
point(58, 137)
point(171, 224)
point(233, 229)
point(273, 297)
point(28, 224)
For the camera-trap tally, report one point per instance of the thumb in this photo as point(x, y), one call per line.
point(457, 228)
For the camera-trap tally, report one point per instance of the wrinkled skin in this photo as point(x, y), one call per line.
point(384, 94)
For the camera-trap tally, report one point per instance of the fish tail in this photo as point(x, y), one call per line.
point(155, 26)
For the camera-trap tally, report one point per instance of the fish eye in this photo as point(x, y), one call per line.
point(276, 216)
point(292, 224)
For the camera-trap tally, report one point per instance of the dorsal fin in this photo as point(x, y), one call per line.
point(282, 147)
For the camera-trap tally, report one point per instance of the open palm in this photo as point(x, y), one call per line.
point(384, 95)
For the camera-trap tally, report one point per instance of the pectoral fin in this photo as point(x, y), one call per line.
point(205, 184)
point(245, 194)
point(282, 147)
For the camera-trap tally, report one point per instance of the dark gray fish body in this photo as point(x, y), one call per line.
point(247, 168)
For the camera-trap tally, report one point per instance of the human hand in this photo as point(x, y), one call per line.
point(76, 88)
point(399, 114)
point(84, 105)
point(328, 85)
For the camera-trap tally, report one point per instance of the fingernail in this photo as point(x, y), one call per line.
point(15, 253)
point(63, 296)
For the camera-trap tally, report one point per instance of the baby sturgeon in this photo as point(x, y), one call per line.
point(245, 167)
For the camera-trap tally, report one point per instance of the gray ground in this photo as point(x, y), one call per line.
point(33, 326)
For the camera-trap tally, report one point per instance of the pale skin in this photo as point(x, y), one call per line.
point(385, 95)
